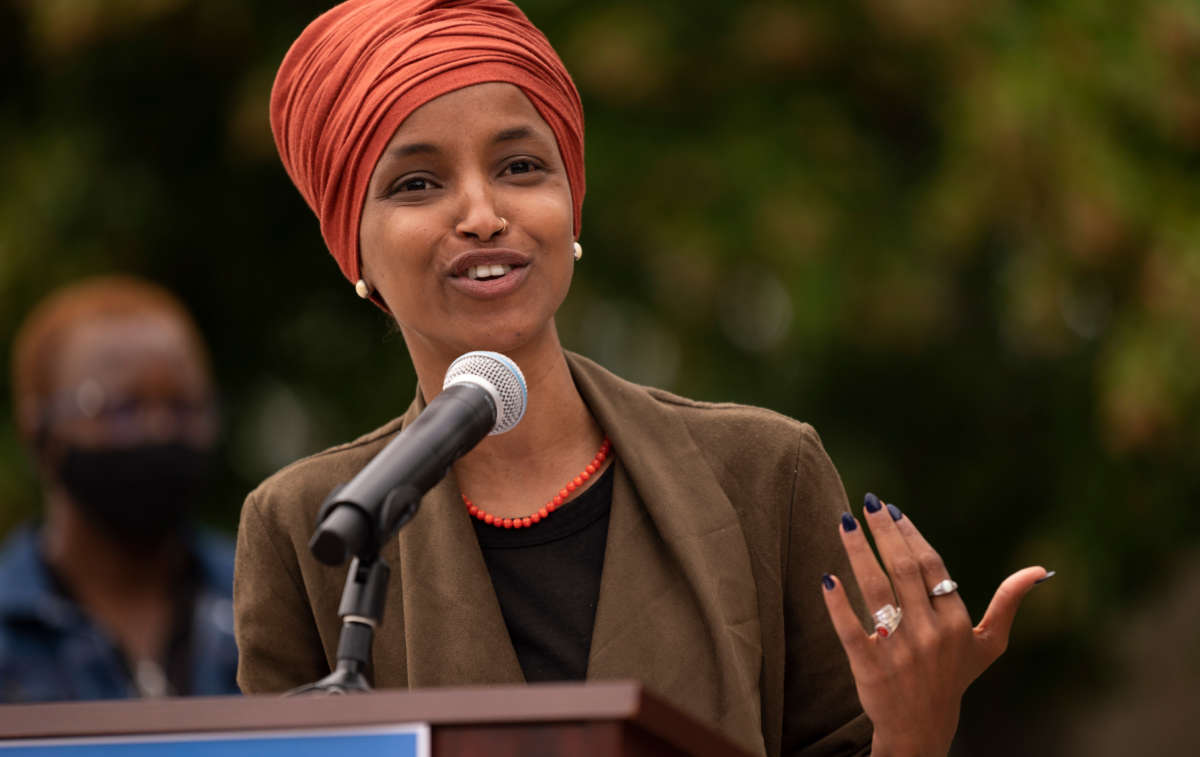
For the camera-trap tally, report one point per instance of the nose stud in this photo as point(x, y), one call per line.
point(503, 225)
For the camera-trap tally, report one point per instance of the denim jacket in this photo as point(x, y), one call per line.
point(50, 650)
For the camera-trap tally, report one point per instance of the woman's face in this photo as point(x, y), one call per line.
point(431, 237)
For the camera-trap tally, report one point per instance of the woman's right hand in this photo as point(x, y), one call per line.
point(911, 678)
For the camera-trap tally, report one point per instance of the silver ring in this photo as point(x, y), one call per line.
point(943, 588)
point(887, 619)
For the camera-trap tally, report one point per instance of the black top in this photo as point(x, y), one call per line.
point(547, 578)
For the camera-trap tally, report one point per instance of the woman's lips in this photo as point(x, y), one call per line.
point(488, 273)
point(485, 288)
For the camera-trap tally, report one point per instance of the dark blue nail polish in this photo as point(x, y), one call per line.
point(848, 522)
point(1049, 574)
point(827, 582)
point(895, 512)
point(871, 502)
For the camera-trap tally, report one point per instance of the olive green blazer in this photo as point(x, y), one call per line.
point(723, 519)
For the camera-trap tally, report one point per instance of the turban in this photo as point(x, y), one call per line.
point(358, 70)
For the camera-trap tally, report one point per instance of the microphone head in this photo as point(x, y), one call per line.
point(499, 377)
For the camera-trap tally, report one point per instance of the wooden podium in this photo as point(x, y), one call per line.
point(586, 719)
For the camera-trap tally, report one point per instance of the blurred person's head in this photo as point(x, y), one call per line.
point(113, 396)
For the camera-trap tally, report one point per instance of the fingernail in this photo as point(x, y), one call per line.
point(871, 502)
point(1049, 574)
point(848, 522)
point(827, 582)
point(894, 512)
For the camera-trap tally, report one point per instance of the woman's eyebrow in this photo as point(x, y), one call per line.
point(415, 148)
point(515, 133)
point(427, 148)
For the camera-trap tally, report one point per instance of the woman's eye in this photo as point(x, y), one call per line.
point(521, 166)
point(415, 184)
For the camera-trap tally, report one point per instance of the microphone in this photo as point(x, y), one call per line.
point(483, 393)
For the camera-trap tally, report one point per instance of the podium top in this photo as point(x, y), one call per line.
point(534, 703)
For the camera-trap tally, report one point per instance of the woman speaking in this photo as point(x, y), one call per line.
point(618, 531)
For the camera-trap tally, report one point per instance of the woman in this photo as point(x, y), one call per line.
point(441, 144)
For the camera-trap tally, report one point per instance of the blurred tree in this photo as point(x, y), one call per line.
point(961, 239)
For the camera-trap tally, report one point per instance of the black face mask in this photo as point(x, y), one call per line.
point(138, 494)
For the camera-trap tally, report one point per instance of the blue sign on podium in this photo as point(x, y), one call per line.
point(384, 741)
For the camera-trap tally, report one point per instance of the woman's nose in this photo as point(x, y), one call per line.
point(478, 216)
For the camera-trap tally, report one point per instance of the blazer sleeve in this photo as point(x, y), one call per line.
point(822, 714)
point(279, 646)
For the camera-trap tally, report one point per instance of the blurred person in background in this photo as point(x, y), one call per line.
point(110, 594)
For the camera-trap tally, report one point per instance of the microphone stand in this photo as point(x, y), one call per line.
point(361, 608)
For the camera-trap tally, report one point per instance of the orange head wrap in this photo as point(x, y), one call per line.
point(362, 67)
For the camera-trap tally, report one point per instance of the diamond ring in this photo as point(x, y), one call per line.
point(942, 588)
point(887, 618)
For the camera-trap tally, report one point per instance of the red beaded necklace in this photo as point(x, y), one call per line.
point(550, 506)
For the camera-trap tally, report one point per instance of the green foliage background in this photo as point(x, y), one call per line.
point(962, 239)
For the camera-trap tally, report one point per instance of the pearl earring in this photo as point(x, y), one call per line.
point(362, 289)
point(578, 251)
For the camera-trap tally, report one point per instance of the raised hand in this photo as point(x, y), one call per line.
point(911, 670)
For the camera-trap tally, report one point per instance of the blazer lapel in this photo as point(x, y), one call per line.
point(678, 606)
